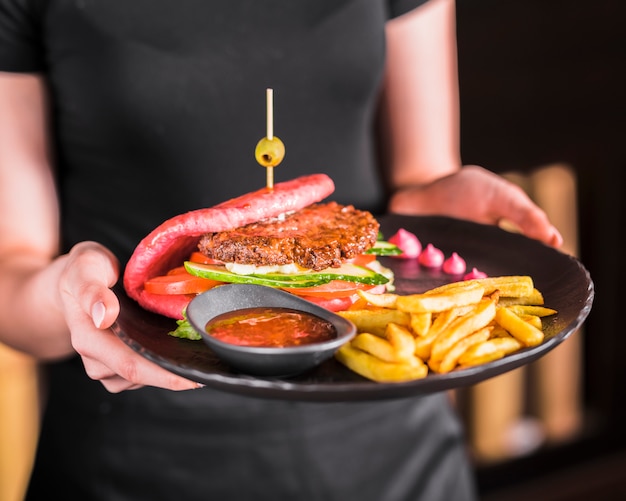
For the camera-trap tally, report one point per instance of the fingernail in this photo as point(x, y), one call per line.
point(98, 311)
point(557, 238)
point(199, 385)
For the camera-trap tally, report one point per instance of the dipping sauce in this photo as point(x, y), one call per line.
point(270, 327)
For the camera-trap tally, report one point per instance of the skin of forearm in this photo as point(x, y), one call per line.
point(419, 114)
point(31, 318)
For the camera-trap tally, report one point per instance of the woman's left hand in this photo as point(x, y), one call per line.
point(476, 194)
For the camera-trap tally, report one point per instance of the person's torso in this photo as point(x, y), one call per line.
point(159, 104)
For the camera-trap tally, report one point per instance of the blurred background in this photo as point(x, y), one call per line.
point(543, 102)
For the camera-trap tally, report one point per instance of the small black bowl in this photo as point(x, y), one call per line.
point(265, 361)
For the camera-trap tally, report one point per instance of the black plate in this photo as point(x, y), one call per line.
point(563, 280)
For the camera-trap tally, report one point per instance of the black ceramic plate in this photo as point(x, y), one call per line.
point(563, 280)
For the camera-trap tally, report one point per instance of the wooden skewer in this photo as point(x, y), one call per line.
point(270, 133)
point(270, 113)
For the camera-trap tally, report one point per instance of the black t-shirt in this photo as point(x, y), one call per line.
point(157, 106)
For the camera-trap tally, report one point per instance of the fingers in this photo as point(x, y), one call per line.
point(511, 203)
point(535, 225)
point(476, 194)
point(107, 359)
point(90, 272)
point(90, 308)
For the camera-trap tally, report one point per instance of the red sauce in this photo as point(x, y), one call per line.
point(270, 327)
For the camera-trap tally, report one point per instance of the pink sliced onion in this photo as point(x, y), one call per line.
point(475, 273)
point(407, 242)
point(454, 265)
point(431, 257)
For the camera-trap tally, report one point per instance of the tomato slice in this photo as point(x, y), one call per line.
point(179, 283)
point(180, 270)
point(364, 259)
point(330, 290)
point(332, 304)
point(198, 257)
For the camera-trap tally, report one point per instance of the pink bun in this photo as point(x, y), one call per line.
point(170, 243)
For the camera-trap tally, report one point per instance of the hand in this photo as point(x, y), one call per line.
point(478, 195)
point(90, 308)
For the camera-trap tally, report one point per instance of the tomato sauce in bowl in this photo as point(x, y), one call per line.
point(264, 331)
point(271, 327)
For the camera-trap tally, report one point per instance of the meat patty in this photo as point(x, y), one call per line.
point(316, 237)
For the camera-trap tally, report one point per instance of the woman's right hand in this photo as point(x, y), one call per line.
point(51, 307)
point(90, 307)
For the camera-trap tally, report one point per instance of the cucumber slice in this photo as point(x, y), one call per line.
point(348, 272)
point(384, 248)
point(221, 274)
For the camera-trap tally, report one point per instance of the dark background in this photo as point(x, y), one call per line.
point(542, 81)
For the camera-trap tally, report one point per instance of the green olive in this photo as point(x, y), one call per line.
point(269, 152)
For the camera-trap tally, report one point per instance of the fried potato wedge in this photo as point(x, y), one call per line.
point(375, 320)
point(457, 325)
point(385, 300)
point(401, 339)
point(376, 346)
point(508, 344)
point(463, 326)
point(507, 286)
point(378, 370)
point(451, 358)
point(480, 353)
point(420, 322)
point(535, 298)
point(521, 330)
point(428, 302)
point(528, 309)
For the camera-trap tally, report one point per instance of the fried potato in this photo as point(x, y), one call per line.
point(378, 370)
point(498, 331)
point(445, 318)
point(488, 351)
point(524, 332)
point(534, 298)
point(428, 302)
point(527, 309)
point(480, 353)
point(463, 326)
point(376, 346)
point(402, 340)
point(375, 320)
point(385, 300)
point(420, 322)
point(507, 286)
point(508, 344)
point(451, 358)
point(533, 320)
point(457, 325)
point(423, 346)
point(359, 304)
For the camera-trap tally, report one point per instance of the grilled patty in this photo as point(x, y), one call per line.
point(316, 237)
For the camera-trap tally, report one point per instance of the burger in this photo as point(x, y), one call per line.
point(284, 237)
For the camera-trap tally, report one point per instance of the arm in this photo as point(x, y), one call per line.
point(28, 221)
point(420, 131)
point(53, 306)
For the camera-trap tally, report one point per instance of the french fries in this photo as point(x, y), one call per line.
point(458, 325)
point(463, 326)
point(440, 301)
point(375, 320)
point(378, 370)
